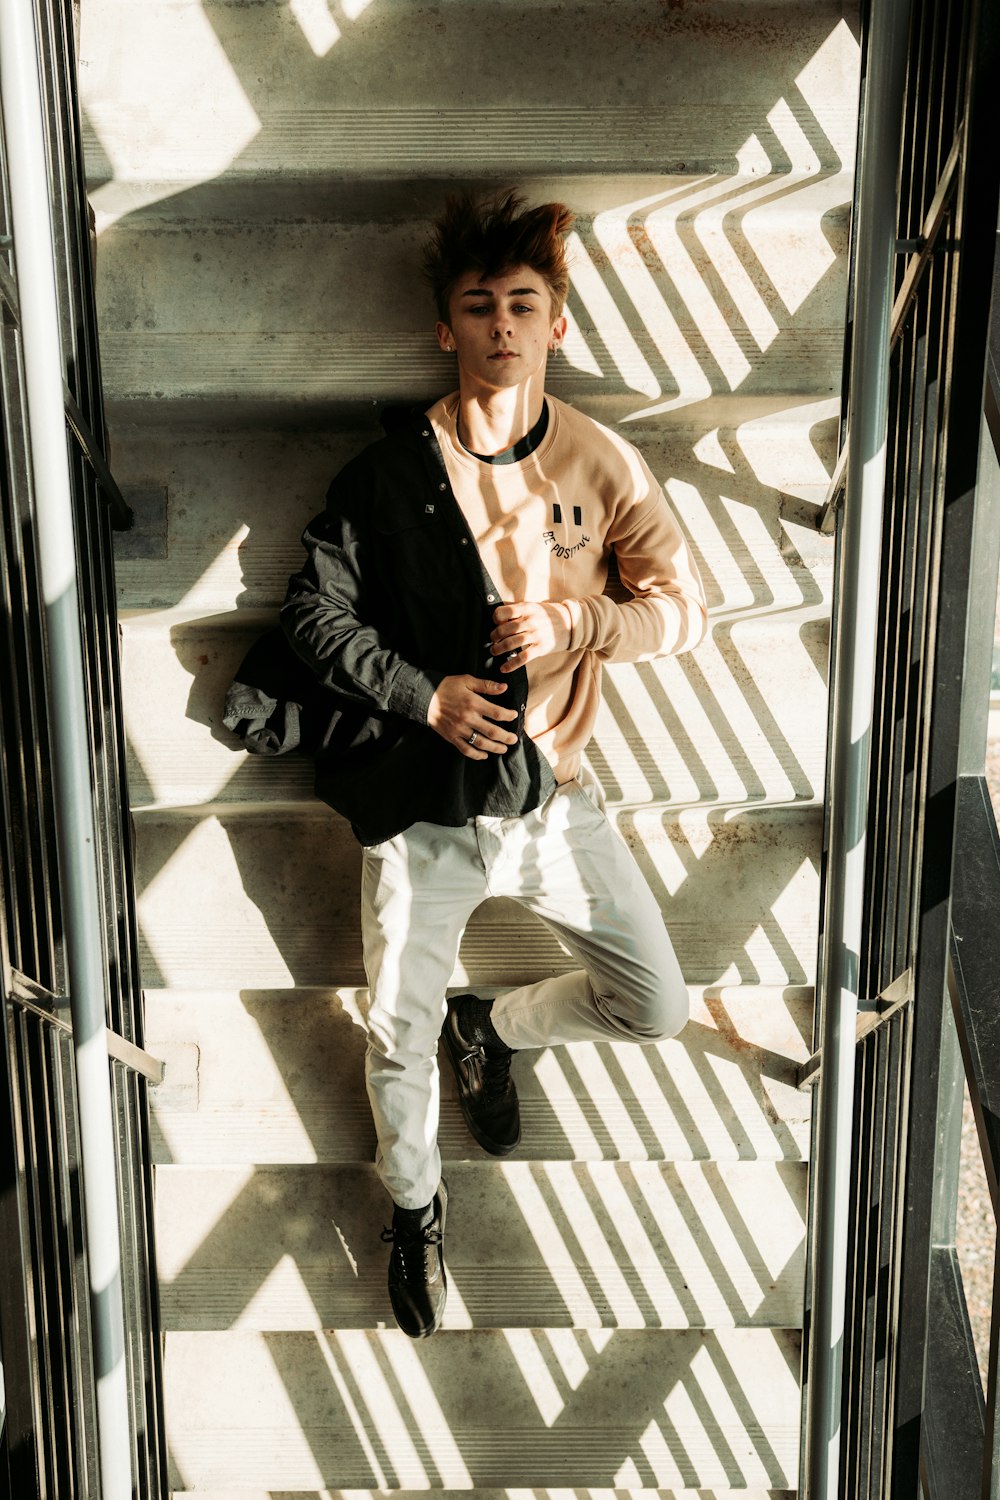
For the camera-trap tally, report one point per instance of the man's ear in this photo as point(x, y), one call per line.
point(444, 337)
point(558, 332)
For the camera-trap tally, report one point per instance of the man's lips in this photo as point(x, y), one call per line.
point(504, 354)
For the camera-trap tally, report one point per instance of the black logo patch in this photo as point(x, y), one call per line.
point(561, 549)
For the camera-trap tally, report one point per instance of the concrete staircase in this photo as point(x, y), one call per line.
point(626, 1291)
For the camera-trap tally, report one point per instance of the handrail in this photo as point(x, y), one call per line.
point(32, 997)
point(122, 515)
point(24, 134)
point(858, 559)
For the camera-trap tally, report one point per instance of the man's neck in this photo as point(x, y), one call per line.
point(491, 422)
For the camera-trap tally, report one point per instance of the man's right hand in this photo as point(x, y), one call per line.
point(461, 708)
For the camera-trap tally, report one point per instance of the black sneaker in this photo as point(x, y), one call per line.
point(418, 1286)
point(486, 1090)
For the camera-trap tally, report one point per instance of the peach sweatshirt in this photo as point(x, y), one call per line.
point(546, 528)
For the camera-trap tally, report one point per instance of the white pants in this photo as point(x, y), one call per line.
point(566, 863)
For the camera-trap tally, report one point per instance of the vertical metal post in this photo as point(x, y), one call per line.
point(21, 100)
point(850, 731)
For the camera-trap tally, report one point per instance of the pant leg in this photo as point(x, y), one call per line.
point(418, 891)
point(578, 875)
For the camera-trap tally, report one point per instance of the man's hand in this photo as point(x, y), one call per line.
point(461, 708)
point(524, 631)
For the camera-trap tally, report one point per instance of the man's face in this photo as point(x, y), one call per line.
point(501, 328)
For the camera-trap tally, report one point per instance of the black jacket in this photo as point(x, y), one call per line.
point(393, 598)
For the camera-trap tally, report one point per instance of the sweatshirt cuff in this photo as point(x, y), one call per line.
point(581, 627)
point(412, 690)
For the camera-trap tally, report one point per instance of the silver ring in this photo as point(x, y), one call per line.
point(473, 737)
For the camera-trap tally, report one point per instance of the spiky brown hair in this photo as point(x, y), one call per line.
point(492, 235)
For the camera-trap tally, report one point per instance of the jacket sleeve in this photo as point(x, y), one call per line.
point(328, 621)
point(667, 612)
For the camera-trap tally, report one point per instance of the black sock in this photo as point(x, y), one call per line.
point(476, 1025)
point(412, 1219)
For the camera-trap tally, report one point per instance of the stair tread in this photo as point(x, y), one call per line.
point(220, 513)
point(479, 1494)
point(787, 194)
point(277, 1077)
point(754, 299)
point(633, 1245)
point(741, 719)
point(143, 367)
point(728, 411)
point(186, 273)
point(276, 89)
point(272, 900)
point(564, 1407)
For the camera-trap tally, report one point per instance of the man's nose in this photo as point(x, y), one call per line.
point(501, 324)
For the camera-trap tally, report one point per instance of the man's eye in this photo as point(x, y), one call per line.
point(524, 307)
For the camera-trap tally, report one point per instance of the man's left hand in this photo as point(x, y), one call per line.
point(524, 631)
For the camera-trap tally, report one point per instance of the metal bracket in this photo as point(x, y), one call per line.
point(891, 1000)
point(835, 492)
point(32, 997)
point(134, 1057)
point(122, 518)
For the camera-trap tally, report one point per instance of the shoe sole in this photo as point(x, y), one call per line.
point(495, 1148)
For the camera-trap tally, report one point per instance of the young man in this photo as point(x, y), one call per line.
point(454, 601)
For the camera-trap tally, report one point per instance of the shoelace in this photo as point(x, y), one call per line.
point(414, 1249)
point(496, 1074)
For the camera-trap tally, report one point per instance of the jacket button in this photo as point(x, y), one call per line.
point(491, 598)
point(465, 541)
point(442, 486)
point(425, 433)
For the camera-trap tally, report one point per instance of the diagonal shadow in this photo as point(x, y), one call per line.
point(339, 1375)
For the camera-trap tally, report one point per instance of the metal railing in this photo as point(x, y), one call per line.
point(910, 1415)
point(48, 1300)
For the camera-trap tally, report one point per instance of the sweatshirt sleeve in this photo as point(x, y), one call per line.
point(666, 613)
point(328, 624)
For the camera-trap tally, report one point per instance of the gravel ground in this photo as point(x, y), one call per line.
point(976, 1234)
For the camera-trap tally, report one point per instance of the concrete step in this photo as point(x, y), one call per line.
point(272, 1077)
point(267, 897)
point(298, 91)
point(537, 1494)
point(742, 719)
point(546, 1245)
point(622, 1409)
point(312, 312)
point(775, 234)
point(220, 510)
point(324, 369)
